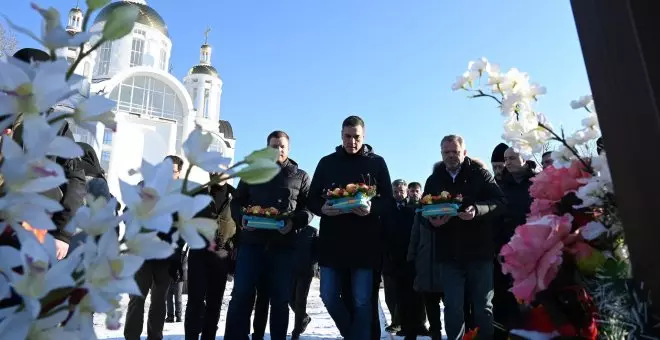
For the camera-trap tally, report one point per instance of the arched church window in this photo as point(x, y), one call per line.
point(145, 95)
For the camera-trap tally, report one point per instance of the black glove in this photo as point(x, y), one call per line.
point(176, 271)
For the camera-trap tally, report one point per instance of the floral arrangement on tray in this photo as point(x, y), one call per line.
point(440, 205)
point(43, 294)
point(352, 196)
point(264, 218)
point(569, 262)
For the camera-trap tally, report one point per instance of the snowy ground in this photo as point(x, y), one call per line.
point(321, 328)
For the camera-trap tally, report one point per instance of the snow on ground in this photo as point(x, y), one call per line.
point(321, 328)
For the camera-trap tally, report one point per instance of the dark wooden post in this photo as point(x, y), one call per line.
point(621, 46)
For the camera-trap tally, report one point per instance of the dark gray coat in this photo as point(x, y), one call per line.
point(422, 250)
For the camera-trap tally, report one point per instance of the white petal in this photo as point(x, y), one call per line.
point(12, 76)
point(162, 223)
point(169, 204)
point(130, 194)
point(16, 326)
point(64, 147)
point(11, 257)
point(131, 264)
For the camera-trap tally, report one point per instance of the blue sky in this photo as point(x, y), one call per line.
point(302, 66)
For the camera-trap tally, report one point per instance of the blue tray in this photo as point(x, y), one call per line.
point(440, 209)
point(263, 222)
point(346, 204)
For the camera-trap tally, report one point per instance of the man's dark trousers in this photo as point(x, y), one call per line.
point(277, 264)
point(154, 275)
point(174, 305)
point(298, 303)
point(390, 283)
point(261, 307)
point(207, 279)
point(410, 304)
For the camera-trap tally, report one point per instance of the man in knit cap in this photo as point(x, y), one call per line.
point(497, 160)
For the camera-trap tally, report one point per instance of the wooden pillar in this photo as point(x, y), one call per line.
point(620, 42)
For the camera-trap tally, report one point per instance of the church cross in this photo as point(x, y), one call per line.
point(206, 35)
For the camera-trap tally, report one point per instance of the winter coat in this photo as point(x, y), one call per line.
point(287, 192)
point(422, 251)
point(349, 241)
point(459, 240)
point(398, 238)
point(306, 252)
point(518, 205)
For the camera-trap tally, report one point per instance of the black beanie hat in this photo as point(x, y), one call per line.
point(498, 153)
point(29, 54)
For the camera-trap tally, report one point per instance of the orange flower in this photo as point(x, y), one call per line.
point(471, 334)
point(39, 233)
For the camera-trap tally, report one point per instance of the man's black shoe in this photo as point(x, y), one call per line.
point(178, 319)
point(169, 319)
point(393, 328)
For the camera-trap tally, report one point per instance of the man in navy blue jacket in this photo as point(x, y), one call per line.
point(268, 252)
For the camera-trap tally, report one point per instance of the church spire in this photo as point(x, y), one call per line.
point(205, 50)
point(74, 24)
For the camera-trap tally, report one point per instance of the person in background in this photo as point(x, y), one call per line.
point(73, 192)
point(515, 183)
point(409, 303)
point(546, 159)
point(305, 267)
point(154, 276)
point(414, 193)
point(600, 146)
point(268, 252)
point(174, 305)
point(422, 251)
point(390, 267)
point(351, 244)
point(465, 242)
point(208, 268)
point(96, 185)
point(497, 160)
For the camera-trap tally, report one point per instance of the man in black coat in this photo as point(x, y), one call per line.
point(305, 267)
point(208, 268)
point(268, 252)
point(154, 277)
point(409, 304)
point(74, 190)
point(350, 244)
point(465, 242)
point(515, 183)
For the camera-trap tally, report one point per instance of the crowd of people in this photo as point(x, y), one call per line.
point(422, 261)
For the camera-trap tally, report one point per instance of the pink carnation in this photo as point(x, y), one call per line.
point(534, 254)
point(553, 183)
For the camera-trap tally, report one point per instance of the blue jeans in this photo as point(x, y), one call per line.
point(359, 328)
point(252, 260)
point(478, 278)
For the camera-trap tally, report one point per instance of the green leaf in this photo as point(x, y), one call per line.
point(96, 4)
point(260, 171)
point(268, 153)
point(120, 22)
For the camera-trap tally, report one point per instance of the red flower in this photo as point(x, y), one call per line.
point(471, 334)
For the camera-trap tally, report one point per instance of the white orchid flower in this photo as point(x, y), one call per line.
point(96, 218)
point(53, 35)
point(150, 205)
point(582, 102)
point(147, 245)
point(39, 277)
point(32, 89)
point(196, 149)
point(108, 273)
point(89, 112)
point(27, 169)
point(35, 209)
point(195, 230)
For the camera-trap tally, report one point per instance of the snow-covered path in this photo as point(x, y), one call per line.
point(321, 328)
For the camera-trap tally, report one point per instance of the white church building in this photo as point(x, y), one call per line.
point(155, 111)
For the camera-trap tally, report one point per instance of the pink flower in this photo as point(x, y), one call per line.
point(552, 183)
point(542, 207)
point(534, 254)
